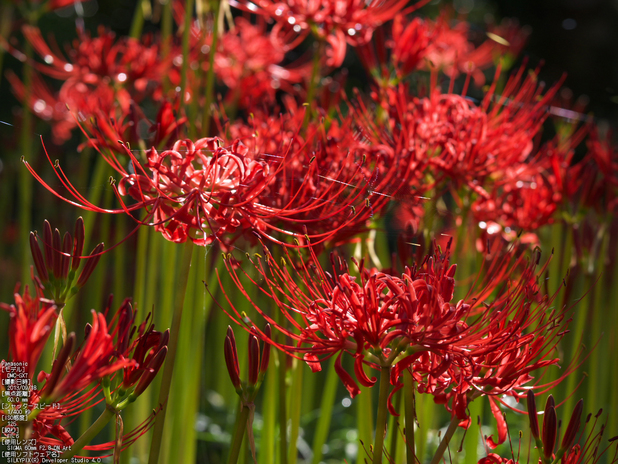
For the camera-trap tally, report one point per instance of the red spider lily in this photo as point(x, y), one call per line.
point(90, 363)
point(204, 192)
point(381, 318)
point(333, 21)
point(437, 45)
point(31, 322)
point(74, 383)
point(593, 182)
point(342, 166)
point(459, 140)
point(101, 75)
point(248, 62)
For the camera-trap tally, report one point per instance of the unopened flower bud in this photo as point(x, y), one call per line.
point(91, 263)
point(231, 360)
point(57, 254)
point(78, 243)
point(65, 259)
point(265, 352)
point(254, 359)
point(37, 257)
point(153, 368)
point(573, 427)
point(532, 416)
point(550, 428)
point(58, 368)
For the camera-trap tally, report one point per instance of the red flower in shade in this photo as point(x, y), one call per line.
point(438, 45)
point(31, 322)
point(248, 62)
point(100, 75)
point(336, 22)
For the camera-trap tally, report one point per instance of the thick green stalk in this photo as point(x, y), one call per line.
point(89, 435)
point(296, 397)
point(326, 411)
point(138, 19)
point(410, 415)
point(186, 388)
point(364, 422)
point(210, 76)
point(283, 416)
point(239, 432)
point(446, 439)
point(269, 413)
point(168, 369)
point(385, 384)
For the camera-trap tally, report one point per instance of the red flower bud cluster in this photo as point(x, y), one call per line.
point(57, 267)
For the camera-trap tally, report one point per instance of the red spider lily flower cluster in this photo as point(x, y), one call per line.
point(57, 266)
point(315, 190)
point(423, 44)
point(335, 22)
point(79, 378)
point(456, 352)
point(102, 77)
point(248, 62)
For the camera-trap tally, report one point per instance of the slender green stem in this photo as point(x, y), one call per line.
point(295, 406)
point(89, 434)
point(210, 76)
point(326, 411)
point(168, 368)
point(25, 178)
point(378, 446)
point(446, 439)
point(410, 415)
point(186, 36)
point(283, 416)
point(138, 20)
point(239, 432)
point(313, 84)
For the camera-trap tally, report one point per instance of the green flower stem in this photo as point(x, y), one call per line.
point(186, 36)
point(138, 19)
point(313, 84)
point(283, 416)
point(452, 427)
point(210, 76)
point(410, 415)
point(326, 412)
point(378, 446)
point(89, 434)
point(25, 186)
point(239, 432)
point(295, 407)
point(168, 368)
